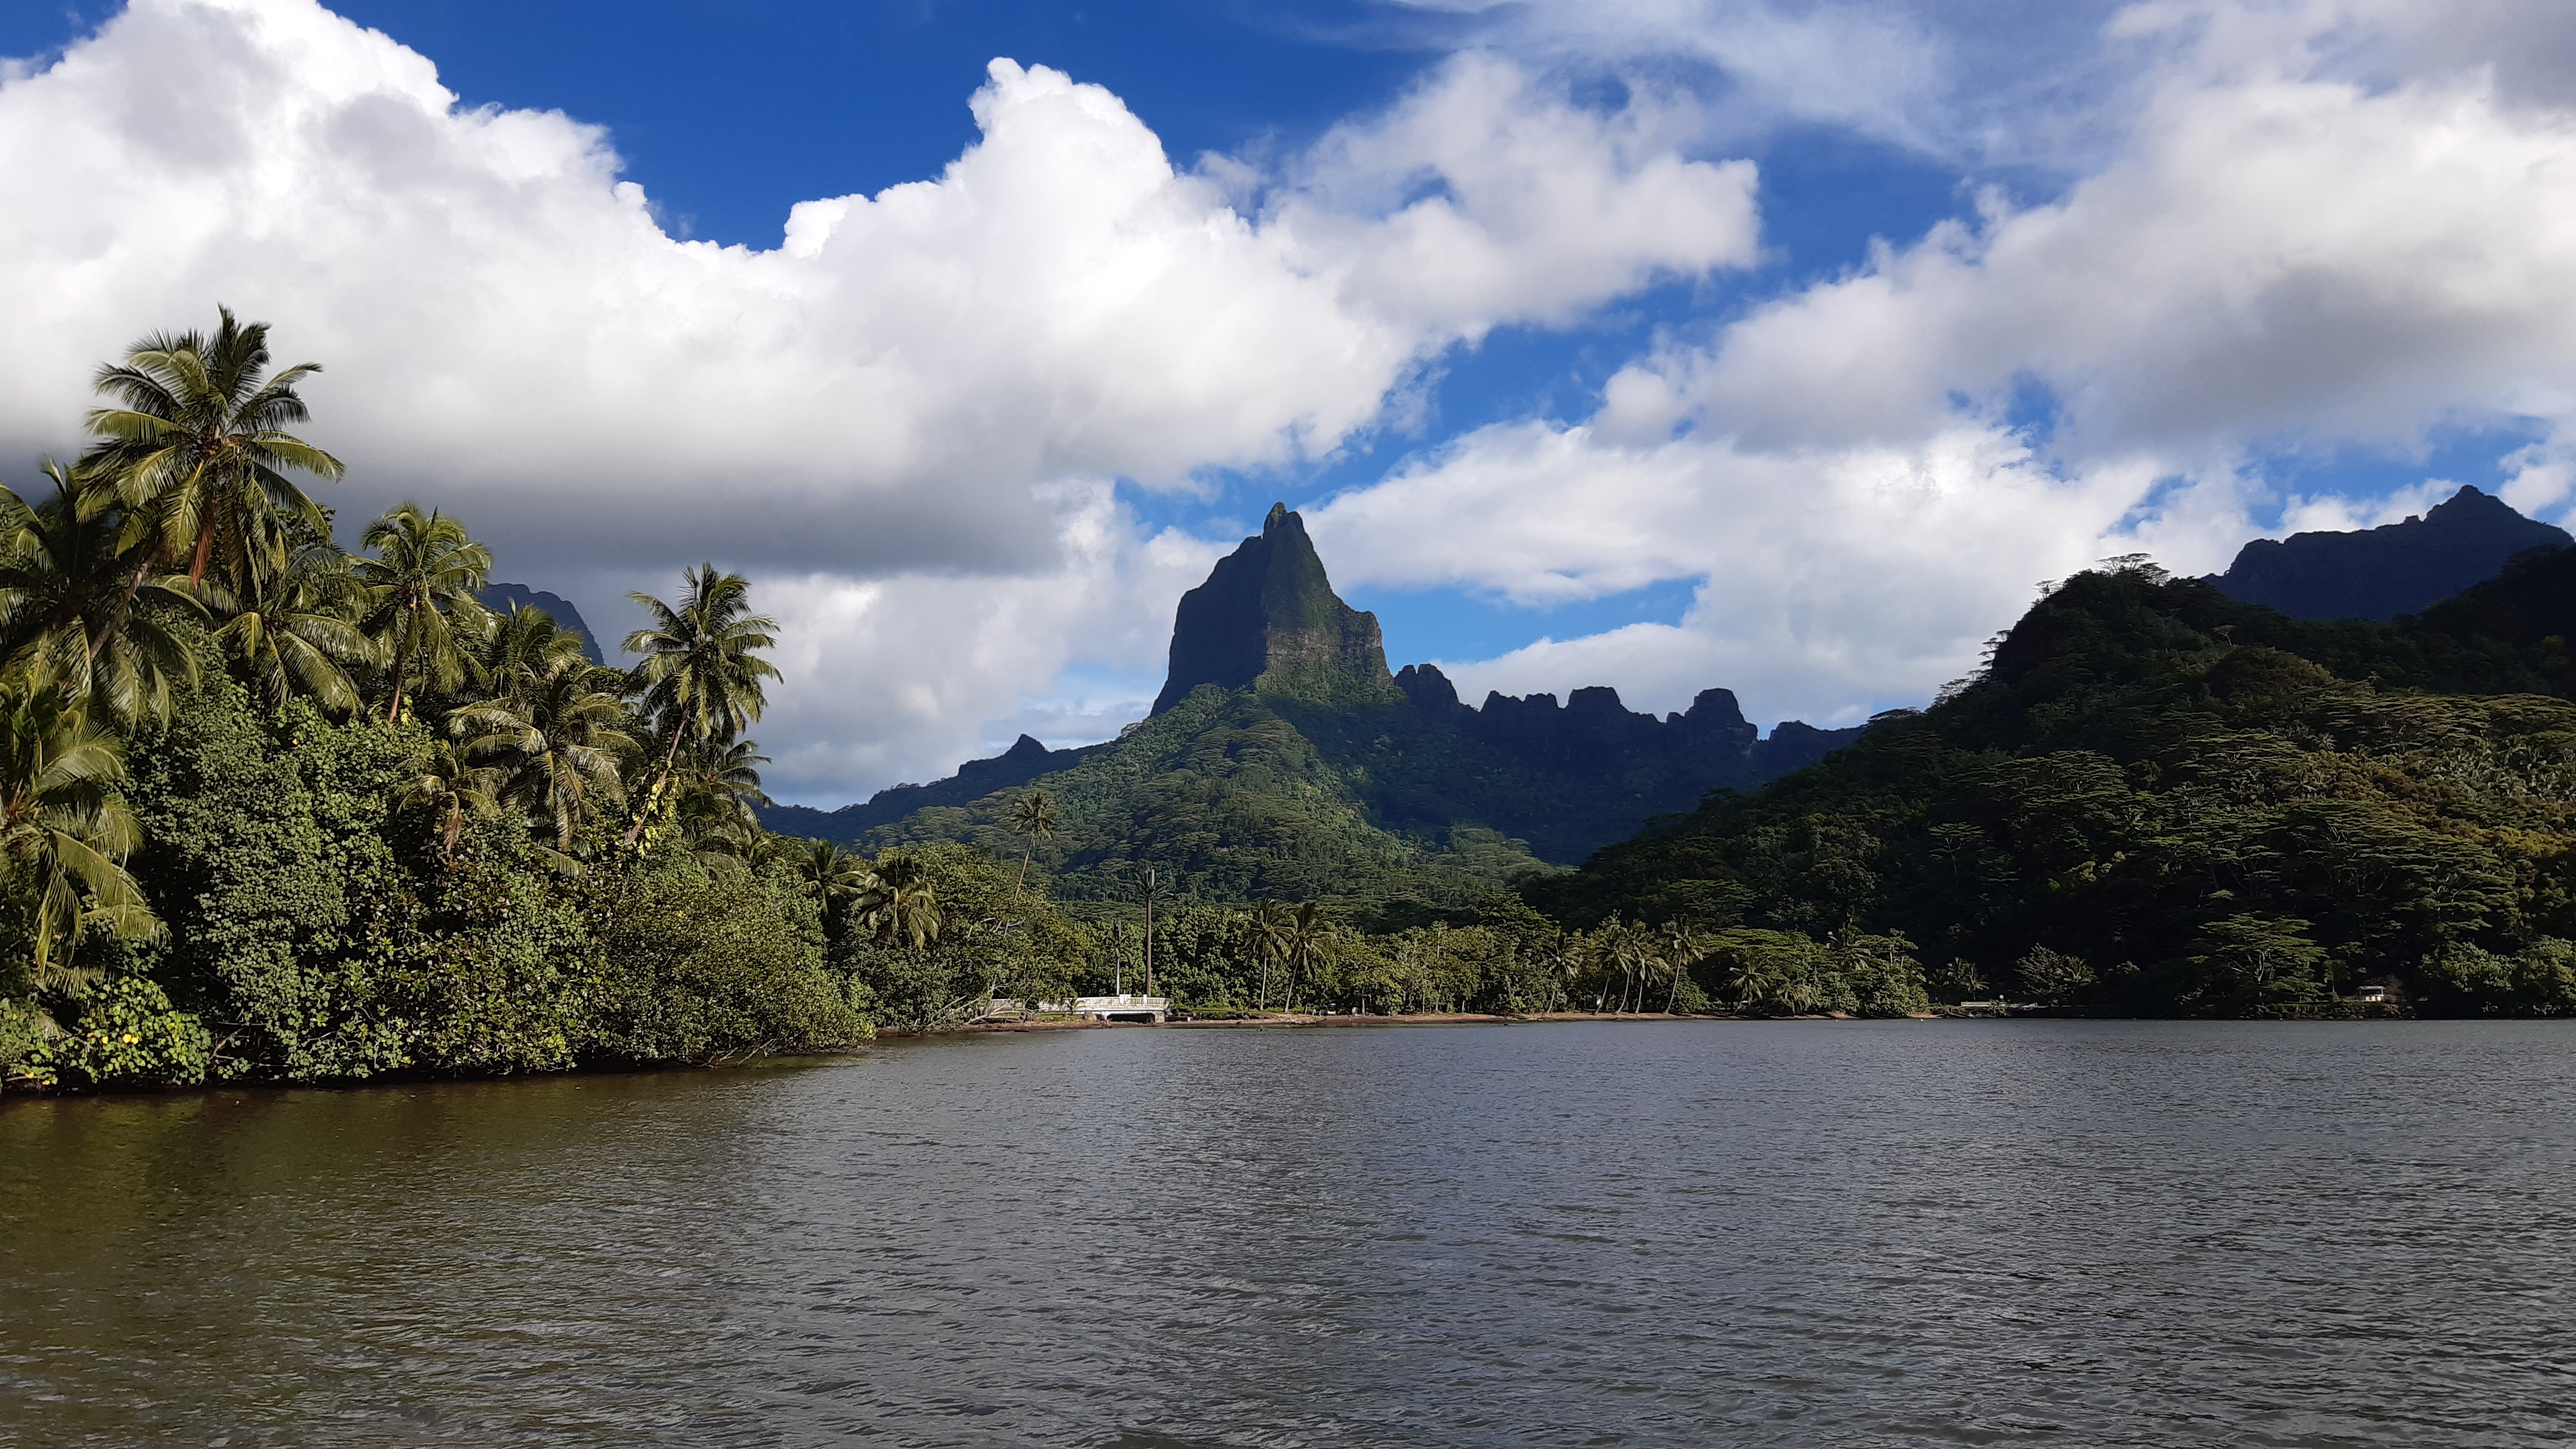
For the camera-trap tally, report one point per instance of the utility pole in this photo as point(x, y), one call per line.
point(1149, 930)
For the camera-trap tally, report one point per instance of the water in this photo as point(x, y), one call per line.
point(1699, 1233)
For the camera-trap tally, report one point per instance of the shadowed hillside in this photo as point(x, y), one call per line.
point(2160, 799)
point(1283, 758)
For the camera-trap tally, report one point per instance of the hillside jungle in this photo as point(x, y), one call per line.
point(275, 810)
point(2156, 800)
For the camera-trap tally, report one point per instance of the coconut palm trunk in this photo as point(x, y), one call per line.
point(653, 796)
point(393, 711)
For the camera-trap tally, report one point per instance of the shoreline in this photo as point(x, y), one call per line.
point(2345, 1012)
point(883, 1035)
point(1358, 1019)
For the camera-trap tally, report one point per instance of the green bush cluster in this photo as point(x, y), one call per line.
point(124, 1033)
point(320, 934)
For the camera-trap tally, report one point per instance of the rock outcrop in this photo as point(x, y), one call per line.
point(1025, 760)
point(1302, 759)
point(1593, 733)
point(1267, 617)
point(2380, 573)
point(499, 597)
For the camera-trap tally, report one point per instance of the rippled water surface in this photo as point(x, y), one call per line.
point(1696, 1233)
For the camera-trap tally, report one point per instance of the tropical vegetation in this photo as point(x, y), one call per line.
point(2156, 800)
point(272, 809)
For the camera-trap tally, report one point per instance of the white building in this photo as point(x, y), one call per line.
point(1127, 1006)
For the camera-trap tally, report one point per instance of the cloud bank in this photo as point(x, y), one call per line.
point(2321, 230)
point(2221, 237)
point(912, 406)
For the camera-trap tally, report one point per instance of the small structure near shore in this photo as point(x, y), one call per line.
point(1126, 1006)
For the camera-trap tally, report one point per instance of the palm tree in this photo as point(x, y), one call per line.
point(1634, 951)
point(557, 741)
point(720, 781)
point(1271, 928)
point(838, 877)
point(904, 912)
point(73, 614)
point(1604, 949)
point(1682, 947)
point(421, 595)
point(446, 779)
point(700, 678)
point(198, 452)
point(1304, 945)
point(1033, 815)
point(296, 629)
point(714, 796)
point(1565, 969)
point(526, 643)
point(64, 829)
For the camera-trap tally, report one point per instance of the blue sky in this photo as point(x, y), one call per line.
point(1657, 343)
point(730, 113)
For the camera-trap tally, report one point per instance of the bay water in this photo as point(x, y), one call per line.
point(1696, 1233)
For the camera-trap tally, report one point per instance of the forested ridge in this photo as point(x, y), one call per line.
point(2156, 800)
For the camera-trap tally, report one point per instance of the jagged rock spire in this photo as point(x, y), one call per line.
point(1267, 614)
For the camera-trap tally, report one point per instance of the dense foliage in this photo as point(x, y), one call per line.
point(2157, 800)
point(271, 809)
point(1233, 802)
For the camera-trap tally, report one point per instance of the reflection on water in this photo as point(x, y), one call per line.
point(1698, 1233)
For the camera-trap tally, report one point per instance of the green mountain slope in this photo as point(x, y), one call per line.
point(2158, 799)
point(1283, 759)
point(1231, 802)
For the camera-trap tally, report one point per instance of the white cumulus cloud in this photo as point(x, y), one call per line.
point(2327, 225)
point(902, 419)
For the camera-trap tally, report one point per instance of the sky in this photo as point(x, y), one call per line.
point(1788, 346)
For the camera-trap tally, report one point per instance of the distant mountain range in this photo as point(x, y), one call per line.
point(2380, 573)
point(500, 598)
point(1282, 757)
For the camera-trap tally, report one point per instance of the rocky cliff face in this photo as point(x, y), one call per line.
point(1593, 733)
point(1318, 760)
point(1268, 617)
point(2380, 573)
point(499, 598)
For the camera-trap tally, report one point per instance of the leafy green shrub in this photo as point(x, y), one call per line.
point(269, 852)
point(2465, 980)
point(702, 962)
point(492, 967)
point(22, 1035)
point(127, 1035)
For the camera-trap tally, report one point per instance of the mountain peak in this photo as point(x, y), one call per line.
point(1268, 614)
point(2396, 568)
